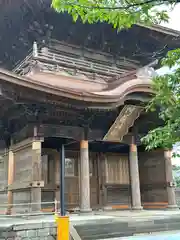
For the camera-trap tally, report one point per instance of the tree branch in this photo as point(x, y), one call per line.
point(155, 2)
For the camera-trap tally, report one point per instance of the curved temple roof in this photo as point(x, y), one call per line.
point(114, 93)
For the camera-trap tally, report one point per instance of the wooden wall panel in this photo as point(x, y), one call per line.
point(48, 167)
point(45, 169)
point(3, 170)
point(21, 201)
point(3, 180)
point(152, 176)
point(72, 178)
point(94, 191)
point(117, 169)
point(72, 192)
point(23, 165)
point(117, 189)
point(47, 198)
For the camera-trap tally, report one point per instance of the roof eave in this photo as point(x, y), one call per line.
point(162, 29)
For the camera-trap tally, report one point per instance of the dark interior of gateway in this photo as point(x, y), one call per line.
point(94, 146)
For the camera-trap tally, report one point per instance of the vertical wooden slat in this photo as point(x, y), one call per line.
point(152, 176)
point(99, 177)
point(45, 169)
point(117, 169)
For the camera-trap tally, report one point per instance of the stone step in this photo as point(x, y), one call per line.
point(116, 229)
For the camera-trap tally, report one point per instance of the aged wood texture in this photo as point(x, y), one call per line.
point(152, 176)
point(47, 199)
point(117, 186)
point(22, 201)
point(36, 176)
point(27, 183)
point(10, 180)
point(64, 131)
point(22, 176)
point(23, 165)
point(3, 179)
point(64, 57)
point(123, 122)
point(117, 169)
point(102, 178)
point(72, 175)
point(134, 175)
point(48, 170)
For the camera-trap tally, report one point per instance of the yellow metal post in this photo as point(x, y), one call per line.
point(62, 227)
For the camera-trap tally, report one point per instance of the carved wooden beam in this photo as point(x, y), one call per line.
point(24, 185)
point(64, 131)
point(123, 122)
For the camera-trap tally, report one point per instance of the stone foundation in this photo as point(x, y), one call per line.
point(33, 231)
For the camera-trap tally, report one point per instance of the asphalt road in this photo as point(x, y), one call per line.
point(156, 236)
point(175, 235)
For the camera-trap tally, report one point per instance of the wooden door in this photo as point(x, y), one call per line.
point(94, 183)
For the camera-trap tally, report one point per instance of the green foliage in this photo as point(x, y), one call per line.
point(177, 181)
point(119, 13)
point(123, 14)
point(167, 97)
point(176, 174)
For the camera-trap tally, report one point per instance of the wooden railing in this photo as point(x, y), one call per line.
point(71, 62)
point(104, 68)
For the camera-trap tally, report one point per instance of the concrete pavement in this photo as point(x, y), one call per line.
point(99, 225)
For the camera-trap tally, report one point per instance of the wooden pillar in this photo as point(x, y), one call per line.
point(57, 181)
point(169, 179)
point(84, 178)
point(37, 182)
point(134, 175)
point(102, 179)
point(10, 181)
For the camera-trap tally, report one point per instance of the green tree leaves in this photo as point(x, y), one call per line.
point(119, 13)
point(167, 99)
point(123, 14)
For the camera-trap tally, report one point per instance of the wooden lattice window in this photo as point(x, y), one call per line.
point(69, 167)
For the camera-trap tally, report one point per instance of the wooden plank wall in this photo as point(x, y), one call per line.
point(3, 180)
point(51, 168)
point(109, 179)
point(117, 184)
point(22, 174)
point(117, 169)
point(152, 177)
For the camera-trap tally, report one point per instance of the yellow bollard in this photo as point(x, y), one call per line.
point(62, 227)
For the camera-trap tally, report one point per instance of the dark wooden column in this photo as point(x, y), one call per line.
point(169, 179)
point(134, 175)
point(84, 177)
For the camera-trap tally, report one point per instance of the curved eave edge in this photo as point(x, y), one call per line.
point(140, 85)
